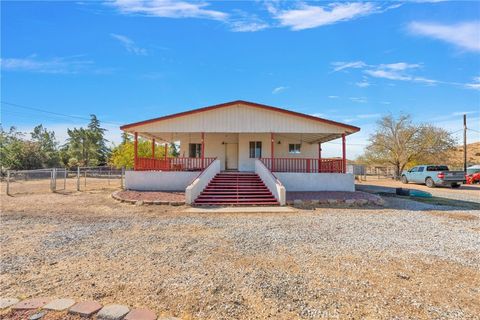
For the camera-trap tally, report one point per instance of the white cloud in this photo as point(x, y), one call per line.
point(363, 84)
point(358, 99)
point(62, 65)
point(169, 9)
point(247, 26)
point(474, 85)
point(307, 16)
point(369, 115)
point(461, 113)
point(333, 97)
point(278, 90)
point(464, 35)
point(129, 44)
point(340, 65)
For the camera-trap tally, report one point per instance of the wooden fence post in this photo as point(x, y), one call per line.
point(122, 175)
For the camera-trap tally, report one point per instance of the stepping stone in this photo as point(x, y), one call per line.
point(7, 302)
point(59, 304)
point(85, 308)
point(34, 303)
point(37, 316)
point(113, 312)
point(141, 314)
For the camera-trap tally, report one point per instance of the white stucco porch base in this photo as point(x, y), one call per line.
point(159, 180)
point(294, 181)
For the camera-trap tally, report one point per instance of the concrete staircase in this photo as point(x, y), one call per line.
point(236, 188)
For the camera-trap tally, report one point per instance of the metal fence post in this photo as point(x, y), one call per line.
point(52, 180)
point(122, 176)
point(8, 182)
point(85, 182)
point(65, 179)
point(78, 178)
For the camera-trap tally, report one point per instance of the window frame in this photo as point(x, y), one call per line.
point(197, 150)
point(253, 147)
point(294, 150)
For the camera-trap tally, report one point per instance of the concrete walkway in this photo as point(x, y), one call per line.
point(239, 210)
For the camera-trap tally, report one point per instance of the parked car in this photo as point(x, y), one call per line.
point(433, 175)
point(473, 174)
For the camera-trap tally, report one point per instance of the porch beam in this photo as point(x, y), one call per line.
point(319, 157)
point(203, 150)
point(344, 154)
point(135, 151)
point(153, 148)
point(165, 151)
point(272, 150)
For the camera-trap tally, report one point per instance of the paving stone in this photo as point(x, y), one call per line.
point(85, 308)
point(34, 303)
point(297, 203)
point(7, 302)
point(37, 316)
point(59, 304)
point(350, 202)
point(113, 312)
point(141, 314)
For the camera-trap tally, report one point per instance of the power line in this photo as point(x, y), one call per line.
point(51, 112)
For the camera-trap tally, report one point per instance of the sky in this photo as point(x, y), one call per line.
point(131, 60)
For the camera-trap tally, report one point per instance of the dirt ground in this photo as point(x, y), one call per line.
point(403, 261)
point(465, 192)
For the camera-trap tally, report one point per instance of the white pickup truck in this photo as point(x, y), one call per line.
point(433, 175)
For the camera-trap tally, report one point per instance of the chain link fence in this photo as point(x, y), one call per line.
point(62, 180)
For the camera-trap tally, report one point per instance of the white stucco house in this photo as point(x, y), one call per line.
point(240, 152)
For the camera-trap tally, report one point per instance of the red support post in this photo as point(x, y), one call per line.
point(272, 150)
point(135, 151)
point(153, 148)
point(203, 150)
point(344, 154)
point(166, 151)
point(319, 157)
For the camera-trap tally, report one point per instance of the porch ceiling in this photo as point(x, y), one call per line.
point(169, 137)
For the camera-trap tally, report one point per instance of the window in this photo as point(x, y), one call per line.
point(415, 169)
point(255, 149)
point(294, 148)
point(420, 169)
point(437, 168)
point(195, 150)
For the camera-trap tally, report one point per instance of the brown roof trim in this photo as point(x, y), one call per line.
point(251, 104)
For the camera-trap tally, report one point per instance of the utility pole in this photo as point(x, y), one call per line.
point(465, 143)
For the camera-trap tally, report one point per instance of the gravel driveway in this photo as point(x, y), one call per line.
point(408, 260)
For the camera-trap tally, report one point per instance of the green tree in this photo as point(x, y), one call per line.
point(123, 154)
point(400, 142)
point(48, 146)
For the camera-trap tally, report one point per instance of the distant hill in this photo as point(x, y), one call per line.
point(455, 158)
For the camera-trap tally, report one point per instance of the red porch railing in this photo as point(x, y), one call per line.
point(306, 165)
point(173, 164)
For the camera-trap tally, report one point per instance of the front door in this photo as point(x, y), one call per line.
point(231, 159)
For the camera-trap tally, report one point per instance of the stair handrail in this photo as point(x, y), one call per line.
point(196, 187)
point(271, 181)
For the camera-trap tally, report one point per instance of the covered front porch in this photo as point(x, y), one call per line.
point(278, 151)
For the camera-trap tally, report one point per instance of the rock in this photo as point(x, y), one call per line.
point(113, 312)
point(7, 302)
point(362, 202)
point(139, 203)
point(177, 203)
point(59, 304)
point(37, 316)
point(297, 203)
point(403, 276)
point(332, 201)
point(350, 202)
point(34, 303)
point(141, 314)
point(85, 308)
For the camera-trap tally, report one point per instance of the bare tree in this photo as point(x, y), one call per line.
point(400, 142)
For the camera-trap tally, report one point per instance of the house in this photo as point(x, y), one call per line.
point(240, 152)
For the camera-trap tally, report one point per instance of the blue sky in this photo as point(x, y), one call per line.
point(132, 60)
